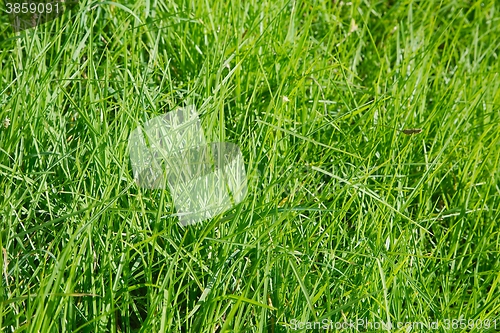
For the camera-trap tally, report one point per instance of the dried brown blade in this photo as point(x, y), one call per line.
point(411, 131)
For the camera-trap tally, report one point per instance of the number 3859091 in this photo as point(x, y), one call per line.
point(33, 8)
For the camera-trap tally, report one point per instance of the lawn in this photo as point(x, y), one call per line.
point(370, 132)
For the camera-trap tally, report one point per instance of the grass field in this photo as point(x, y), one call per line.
point(351, 218)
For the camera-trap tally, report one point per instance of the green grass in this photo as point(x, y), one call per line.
point(346, 217)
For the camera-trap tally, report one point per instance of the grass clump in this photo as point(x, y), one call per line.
point(347, 218)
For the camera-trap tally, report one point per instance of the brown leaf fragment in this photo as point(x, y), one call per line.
point(411, 131)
